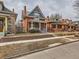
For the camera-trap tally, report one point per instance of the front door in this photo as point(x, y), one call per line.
point(1, 25)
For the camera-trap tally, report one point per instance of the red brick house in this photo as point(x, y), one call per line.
point(36, 20)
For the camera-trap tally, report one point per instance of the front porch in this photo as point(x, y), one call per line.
point(38, 26)
point(62, 28)
point(3, 26)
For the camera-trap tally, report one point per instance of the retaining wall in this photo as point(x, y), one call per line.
point(23, 48)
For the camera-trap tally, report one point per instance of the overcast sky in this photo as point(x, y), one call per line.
point(48, 7)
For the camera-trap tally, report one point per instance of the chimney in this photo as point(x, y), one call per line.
point(23, 14)
point(13, 10)
point(48, 17)
point(25, 11)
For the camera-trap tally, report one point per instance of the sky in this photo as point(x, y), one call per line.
point(48, 7)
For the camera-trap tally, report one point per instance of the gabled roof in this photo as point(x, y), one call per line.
point(37, 10)
point(4, 9)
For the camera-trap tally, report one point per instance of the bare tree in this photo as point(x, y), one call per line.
point(76, 7)
point(55, 17)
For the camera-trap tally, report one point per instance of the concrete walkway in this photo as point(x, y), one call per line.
point(35, 40)
point(71, 39)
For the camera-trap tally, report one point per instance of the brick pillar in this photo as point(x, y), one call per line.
point(50, 28)
point(26, 23)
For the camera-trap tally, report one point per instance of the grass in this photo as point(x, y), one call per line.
point(65, 33)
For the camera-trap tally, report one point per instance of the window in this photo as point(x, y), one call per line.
point(53, 26)
point(36, 14)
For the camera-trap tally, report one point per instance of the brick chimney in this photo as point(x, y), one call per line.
point(23, 14)
point(13, 10)
point(48, 18)
point(25, 11)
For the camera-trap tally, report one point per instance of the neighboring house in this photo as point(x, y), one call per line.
point(77, 25)
point(7, 20)
point(36, 20)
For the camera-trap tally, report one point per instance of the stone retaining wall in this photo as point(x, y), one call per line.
point(18, 49)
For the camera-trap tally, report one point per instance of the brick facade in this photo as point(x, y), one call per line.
point(44, 24)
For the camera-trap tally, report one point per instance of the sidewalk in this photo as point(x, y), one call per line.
point(35, 40)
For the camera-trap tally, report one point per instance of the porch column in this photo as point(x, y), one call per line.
point(70, 28)
point(56, 27)
point(40, 26)
point(31, 25)
point(62, 27)
point(46, 27)
point(6, 24)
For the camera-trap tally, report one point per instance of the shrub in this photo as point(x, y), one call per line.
point(76, 35)
point(20, 32)
point(34, 31)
